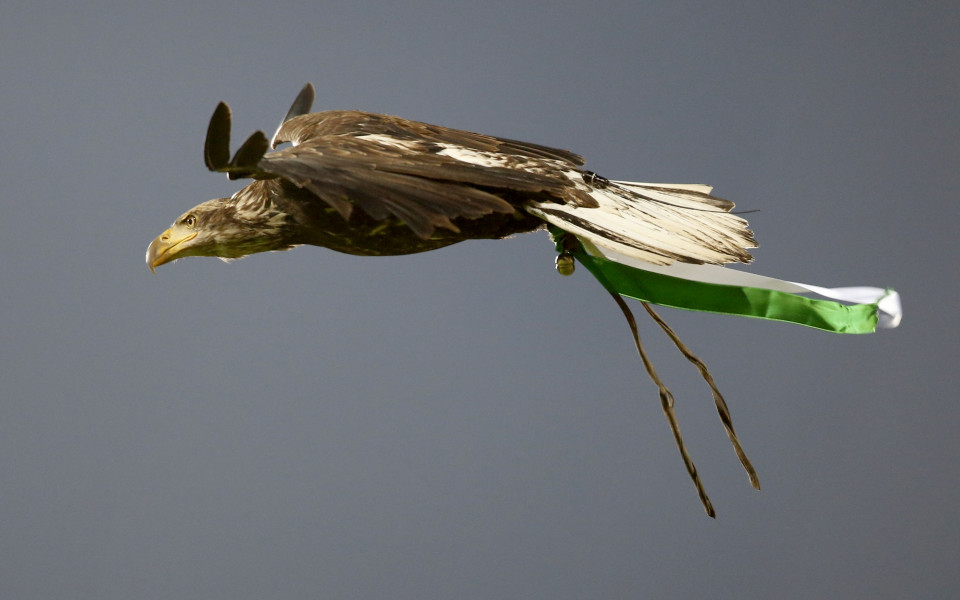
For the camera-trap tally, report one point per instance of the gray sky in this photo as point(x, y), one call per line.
point(466, 423)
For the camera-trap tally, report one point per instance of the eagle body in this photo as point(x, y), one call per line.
point(377, 185)
point(303, 219)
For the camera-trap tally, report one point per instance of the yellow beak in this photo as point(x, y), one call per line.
point(164, 248)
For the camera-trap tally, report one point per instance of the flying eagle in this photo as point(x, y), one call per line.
point(377, 185)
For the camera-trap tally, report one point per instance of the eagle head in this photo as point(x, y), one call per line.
point(227, 228)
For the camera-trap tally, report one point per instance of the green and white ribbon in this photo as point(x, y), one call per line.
point(717, 289)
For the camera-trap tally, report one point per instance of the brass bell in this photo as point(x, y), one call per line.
point(565, 264)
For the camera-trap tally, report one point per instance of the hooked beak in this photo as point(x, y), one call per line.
point(164, 248)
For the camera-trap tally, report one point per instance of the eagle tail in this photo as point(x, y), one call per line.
point(658, 223)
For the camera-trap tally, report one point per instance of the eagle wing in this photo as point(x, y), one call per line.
point(387, 166)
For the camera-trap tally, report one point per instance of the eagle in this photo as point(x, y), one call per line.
point(377, 185)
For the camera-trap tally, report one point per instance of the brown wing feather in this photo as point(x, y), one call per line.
point(343, 182)
point(353, 123)
point(391, 166)
point(409, 179)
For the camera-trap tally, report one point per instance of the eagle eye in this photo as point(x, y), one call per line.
point(189, 220)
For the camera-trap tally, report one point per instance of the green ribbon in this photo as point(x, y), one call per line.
point(754, 302)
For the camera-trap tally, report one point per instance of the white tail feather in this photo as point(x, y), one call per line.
point(656, 223)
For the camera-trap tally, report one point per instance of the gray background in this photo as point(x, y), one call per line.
point(466, 423)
